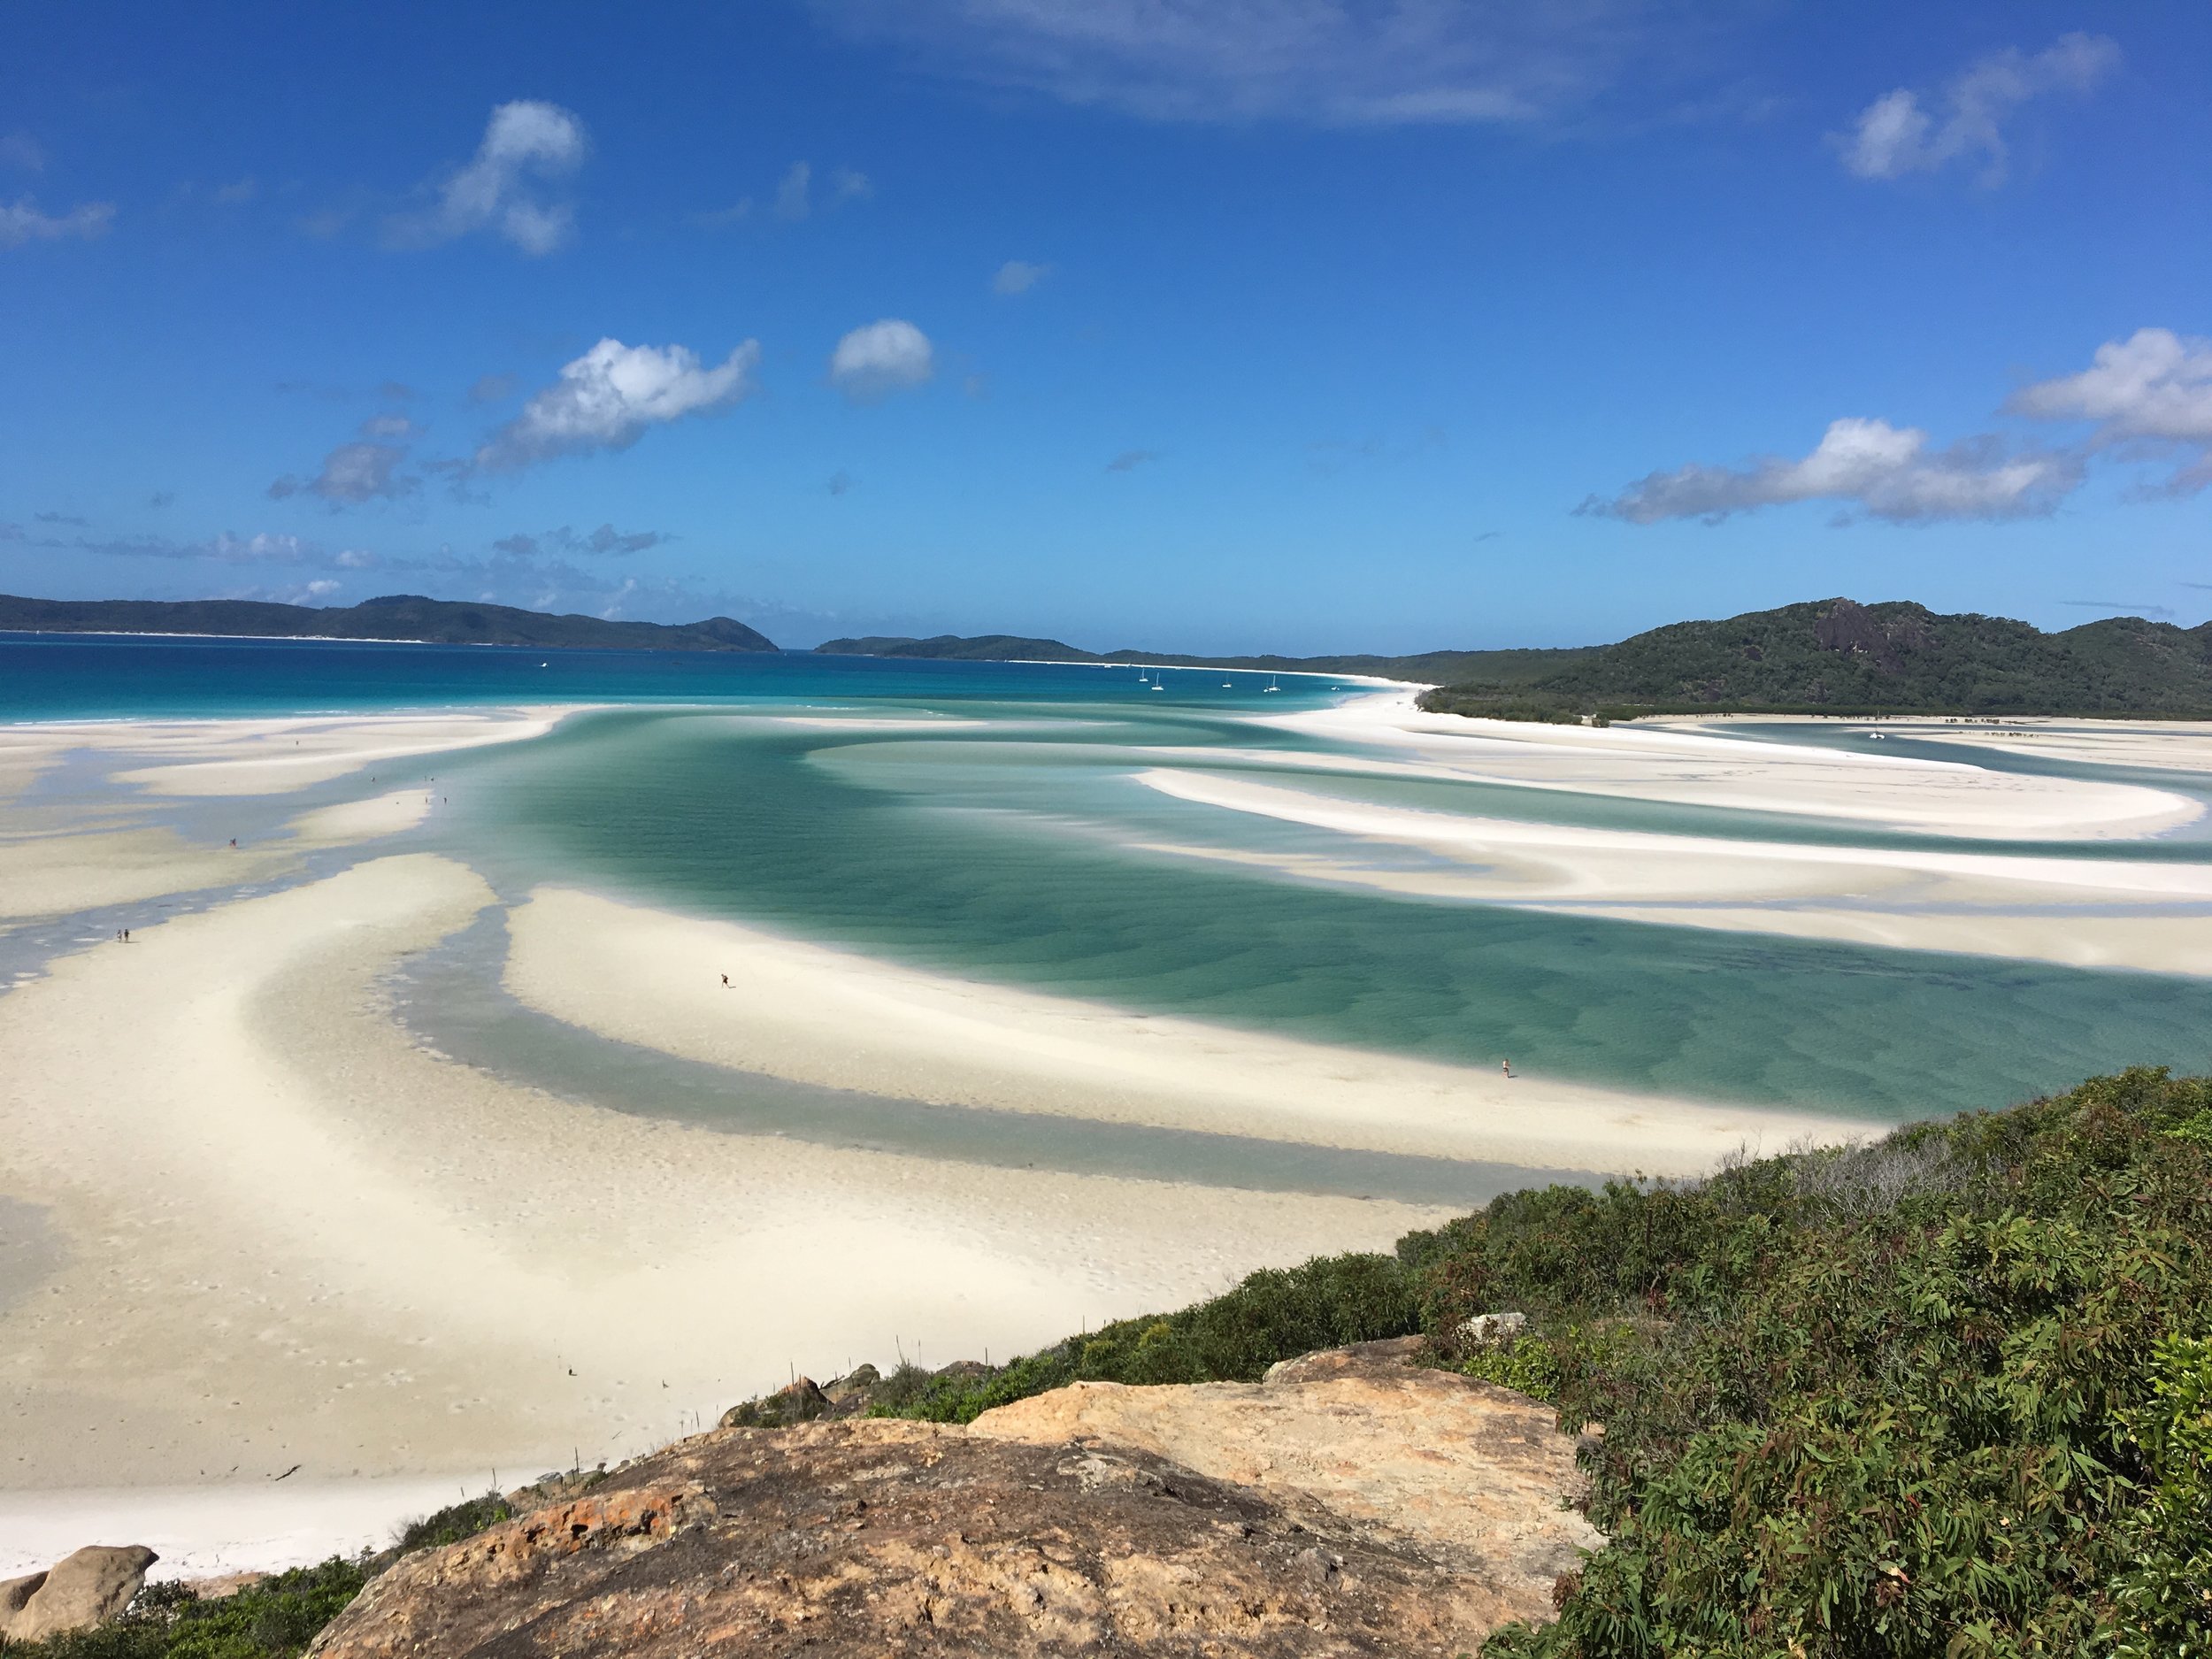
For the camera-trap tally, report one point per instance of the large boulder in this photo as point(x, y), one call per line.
point(88, 1589)
point(1078, 1526)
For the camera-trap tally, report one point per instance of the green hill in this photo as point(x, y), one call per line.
point(1837, 657)
point(982, 648)
point(396, 617)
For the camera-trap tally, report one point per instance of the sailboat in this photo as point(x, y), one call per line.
point(1271, 685)
point(1159, 680)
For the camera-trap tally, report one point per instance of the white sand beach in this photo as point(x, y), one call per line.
point(2100, 912)
point(1673, 762)
point(844, 1020)
point(295, 1237)
point(286, 1233)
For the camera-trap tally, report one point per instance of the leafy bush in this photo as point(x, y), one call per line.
point(1949, 1394)
point(273, 1619)
point(1274, 1315)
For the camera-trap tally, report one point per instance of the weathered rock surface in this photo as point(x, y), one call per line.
point(1062, 1526)
point(1471, 1475)
point(85, 1589)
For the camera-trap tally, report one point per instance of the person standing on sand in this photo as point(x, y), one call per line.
point(1506, 1066)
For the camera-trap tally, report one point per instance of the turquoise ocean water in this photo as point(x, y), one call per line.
point(987, 823)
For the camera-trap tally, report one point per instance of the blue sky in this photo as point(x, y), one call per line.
point(1312, 326)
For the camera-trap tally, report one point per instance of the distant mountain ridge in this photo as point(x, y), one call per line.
point(1507, 666)
point(1839, 657)
point(408, 616)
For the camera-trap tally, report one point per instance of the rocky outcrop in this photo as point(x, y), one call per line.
point(1466, 1474)
point(88, 1589)
point(1350, 1505)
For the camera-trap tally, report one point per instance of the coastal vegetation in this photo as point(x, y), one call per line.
point(408, 616)
point(1946, 1394)
point(1836, 657)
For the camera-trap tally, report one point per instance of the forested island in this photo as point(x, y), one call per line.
point(400, 617)
point(1823, 657)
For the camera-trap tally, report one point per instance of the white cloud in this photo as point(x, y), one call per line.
point(1335, 62)
point(1018, 276)
point(1896, 134)
point(24, 222)
point(1886, 471)
point(528, 144)
point(389, 425)
point(882, 358)
point(845, 185)
point(352, 473)
point(791, 196)
point(20, 150)
point(2151, 392)
point(606, 399)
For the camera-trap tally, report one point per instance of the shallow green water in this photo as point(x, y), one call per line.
point(1006, 852)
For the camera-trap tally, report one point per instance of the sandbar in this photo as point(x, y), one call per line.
point(290, 1235)
point(815, 1014)
point(1671, 763)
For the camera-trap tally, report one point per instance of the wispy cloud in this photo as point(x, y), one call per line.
point(2142, 607)
point(604, 542)
point(879, 359)
point(25, 223)
point(1897, 135)
point(353, 474)
point(795, 196)
point(1018, 276)
point(1130, 460)
point(608, 398)
point(1869, 466)
point(1333, 62)
point(841, 482)
point(22, 152)
point(59, 518)
point(527, 146)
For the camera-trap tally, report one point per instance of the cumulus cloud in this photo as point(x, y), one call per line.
point(607, 398)
point(603, 541)
point(1888, 472)
point(1896, 134)
point(2150, 394)
point(879, 359)
point(1335, 62)
point(528, 147)
point(23, 222)
point(1130, 460)
point(1018, 276)
point(352, 473)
